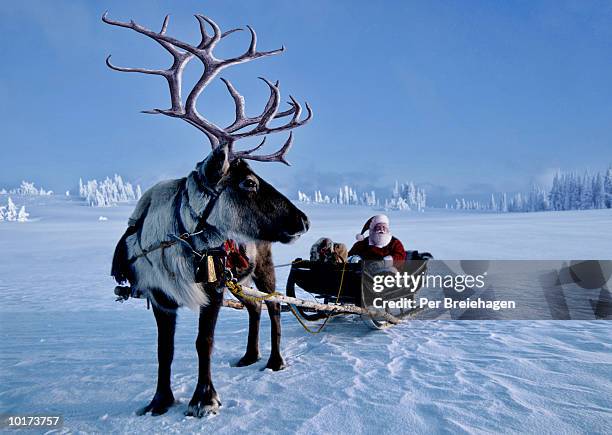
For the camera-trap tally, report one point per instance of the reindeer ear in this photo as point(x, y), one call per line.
point(215, 166)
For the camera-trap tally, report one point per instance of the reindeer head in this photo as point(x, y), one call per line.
point(249, 208)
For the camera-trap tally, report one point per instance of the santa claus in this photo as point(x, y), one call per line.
point(380, 244)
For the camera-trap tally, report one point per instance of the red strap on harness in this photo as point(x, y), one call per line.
point(236, 257)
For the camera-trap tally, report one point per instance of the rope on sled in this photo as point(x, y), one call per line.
point(329, 316)
point(236, 290)
point(294, 262)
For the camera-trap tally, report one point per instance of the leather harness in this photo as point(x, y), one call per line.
point(201, 224)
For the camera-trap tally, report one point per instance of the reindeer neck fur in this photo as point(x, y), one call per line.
point(173, 207)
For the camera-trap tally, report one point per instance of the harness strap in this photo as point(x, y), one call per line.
point(213, 195)
point(161, 245)
point(207, 211)
point(201, 221)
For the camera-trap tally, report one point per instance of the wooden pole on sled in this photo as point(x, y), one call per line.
point(345, 309)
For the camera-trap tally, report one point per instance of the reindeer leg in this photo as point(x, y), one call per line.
point(265, 280)
point(166, 323)
point(205, 399)
point(252, 354)
point(276, 361)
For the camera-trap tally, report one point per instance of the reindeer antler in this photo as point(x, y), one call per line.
point(182, 53)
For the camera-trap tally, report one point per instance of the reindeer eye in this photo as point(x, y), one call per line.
point(249, 184)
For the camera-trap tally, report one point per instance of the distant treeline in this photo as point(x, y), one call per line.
point(569, 191)
point(110, 191)
point(404, 196)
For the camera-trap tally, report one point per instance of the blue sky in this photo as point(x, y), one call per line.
point(465, 97)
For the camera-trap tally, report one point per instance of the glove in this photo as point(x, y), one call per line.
point(354, 259)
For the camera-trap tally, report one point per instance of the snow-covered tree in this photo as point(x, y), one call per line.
point(413, 198)
point(608, 188)
point(569, 191)
point(108, 192)
point(598, 192)
point(340, 198)
point(28, 188)
point(584, 192)
point(396, 190)
point(573, 192)
point(10, 213)
point(396, 204)
point(23, 215)
point(504, 203)
point(346, 196)
point(369, 199)
point(542, 201)
point(302, 197)
point(493, 203)
point(319, 198)
point(556, 195)
point(11, 210)
point(463, 204)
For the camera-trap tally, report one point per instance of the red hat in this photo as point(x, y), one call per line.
point(371, 223)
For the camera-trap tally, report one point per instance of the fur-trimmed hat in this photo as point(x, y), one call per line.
point(371, 223)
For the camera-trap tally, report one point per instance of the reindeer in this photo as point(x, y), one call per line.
point(221, 198)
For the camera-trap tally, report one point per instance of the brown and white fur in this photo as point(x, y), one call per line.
point(248, 209)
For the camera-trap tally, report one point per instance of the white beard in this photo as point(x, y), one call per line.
point(380, 240)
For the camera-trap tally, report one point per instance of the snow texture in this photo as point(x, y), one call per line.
point(69, 349)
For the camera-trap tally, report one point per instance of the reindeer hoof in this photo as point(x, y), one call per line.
point(159, 405)
point(247, 360)
point(276, 364)
point(205, 401)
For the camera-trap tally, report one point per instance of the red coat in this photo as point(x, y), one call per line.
point(395, 249)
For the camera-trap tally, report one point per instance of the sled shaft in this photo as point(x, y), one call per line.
point(345, 309)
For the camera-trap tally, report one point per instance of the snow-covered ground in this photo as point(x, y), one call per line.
point(67, 348)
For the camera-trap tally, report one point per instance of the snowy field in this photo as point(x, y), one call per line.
point(67, 348)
